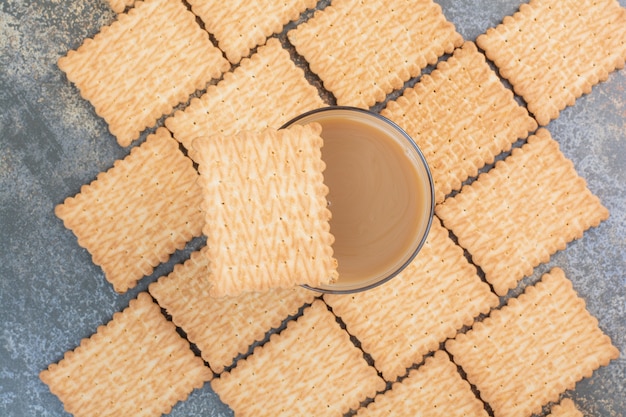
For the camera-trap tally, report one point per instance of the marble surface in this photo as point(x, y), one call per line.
point(52, 142)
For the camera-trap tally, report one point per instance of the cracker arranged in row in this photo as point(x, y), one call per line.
point(136, 214)
point(539, 345)
point(517, 215)
point(461, 116)
point(404, 319)
point(434, 389)
point(566, 408)
point(136, 365)
point(144, 64)
point(553, 52)
point(266, 215)
point(240, 26)
point(266, 90)
point(222, 328)
point(310, 369)
point(363, 50)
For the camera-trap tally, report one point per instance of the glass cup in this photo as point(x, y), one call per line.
point(381, 195)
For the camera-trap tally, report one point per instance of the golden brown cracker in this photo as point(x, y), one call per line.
point(518, 214)
point(136, 365)
point(136, 214)
point(267, 221)
point(566, 408)
point(553, 52)
point(266, 90)
point(363, 50)
point(222, 328)
point(311, 368)
point(239, 26)
point(461, 116)
point(539, 345)
point(404, 319)
point(142, 65)
point(434, 389)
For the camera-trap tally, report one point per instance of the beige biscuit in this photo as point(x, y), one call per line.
point(239, 26)
point(363, 50)
point(518, 214)
point(266, 215)
point(136, 214)
point(404, 319)
point(311, 368)
point(136, 365)
point(119, 6)
point(222, 328)
point(539, 345)
point(434, 389)
point(142, 65)
point(461, 116)
point(266, 90)
point(552, 53)
point(566, 408)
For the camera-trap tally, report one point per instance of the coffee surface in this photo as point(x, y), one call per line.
point(376, 198)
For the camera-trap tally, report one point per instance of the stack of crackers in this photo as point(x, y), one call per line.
point(445, 337)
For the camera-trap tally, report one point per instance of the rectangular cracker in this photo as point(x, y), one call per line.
point(434, 389)
point(363, 50)
point(461, 116)
point(136, 214)
point(141, 66)
point(404, 319)
point(266, 90)
point(222, 328)
point(136, 365)
point(266, 215)
point(553, 52)
point(310, 368)
point(536, 347)
point(518, 214)
point(566, 408)
point(240, 26)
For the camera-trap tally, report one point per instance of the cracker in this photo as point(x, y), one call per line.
point(240, 26)
point(119, 6)
point(148, 61)
point(461, 116)
point(136, 214)
point(267, 221)
point(401, 321)
point(517, 215)
point(434, 389)
point(566, 408)
point(222, 328)
point(536, 347)
point(136, 365)
point(552, 53)
point(363, 50)
point(266, 90)
point(310, 368)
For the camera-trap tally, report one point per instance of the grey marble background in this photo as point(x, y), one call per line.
point(52, 142)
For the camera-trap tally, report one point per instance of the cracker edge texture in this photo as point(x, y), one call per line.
point(279, 360)
point(488, 246)
point(508, 56)
point(492, 373)
point(192, 371)
point(138, 262)
point(233, 272)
